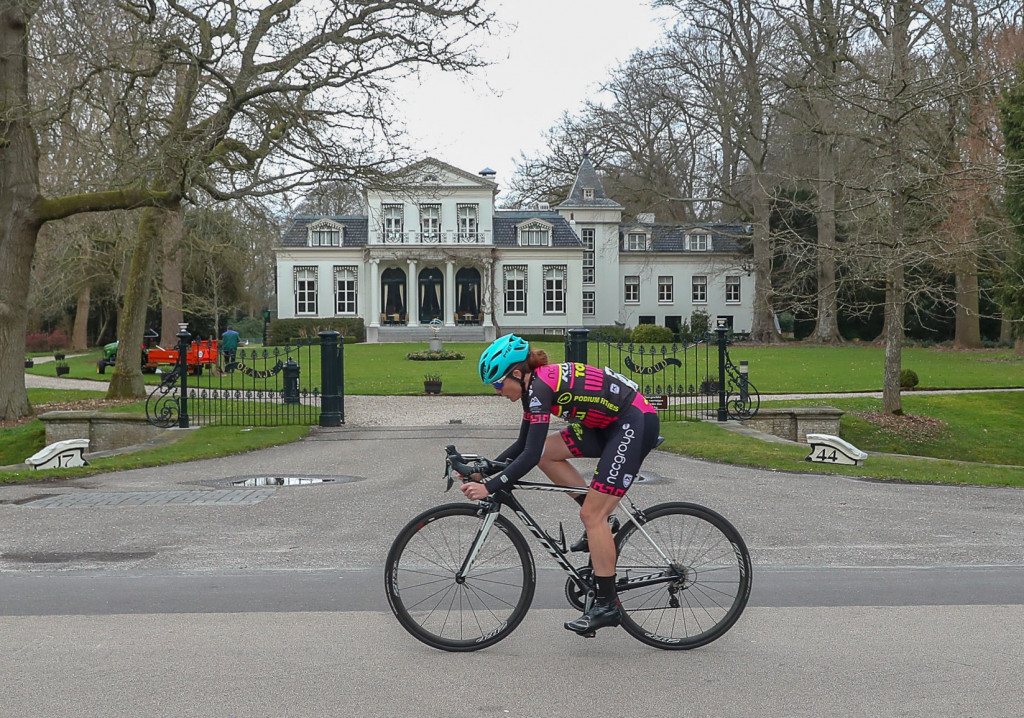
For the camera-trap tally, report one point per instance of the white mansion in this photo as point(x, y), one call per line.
point(439, 249)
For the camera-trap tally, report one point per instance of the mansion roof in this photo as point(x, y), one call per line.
point(665, 237)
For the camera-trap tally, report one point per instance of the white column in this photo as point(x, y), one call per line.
point(412, 294)
point(371, 309)
point(488, 296)
point(449, 293)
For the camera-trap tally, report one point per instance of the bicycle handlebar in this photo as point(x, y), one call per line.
point(468, 464)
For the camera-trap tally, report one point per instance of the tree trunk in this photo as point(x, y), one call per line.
point(968, 319)
point(895, 306)
point(763, 327)
point(19, 190)
point(1005, 330)
point(172, 307)
point(80, 334)
point(826, 329)
point(126, 382)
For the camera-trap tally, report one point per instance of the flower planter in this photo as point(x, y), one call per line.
point(29, 363)
point(62, 370)
point(59, 356)
point(432, 387)
point(708, 387)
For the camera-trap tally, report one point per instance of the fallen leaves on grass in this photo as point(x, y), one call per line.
point(80, 405)
point(908, 427)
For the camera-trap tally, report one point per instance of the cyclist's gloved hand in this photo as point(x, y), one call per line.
point(475, 491)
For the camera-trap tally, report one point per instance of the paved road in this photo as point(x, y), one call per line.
point(870, 599)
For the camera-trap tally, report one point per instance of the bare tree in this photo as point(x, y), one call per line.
point(221, 99)
point(262, 104)
point(24, 208)
point(730, 51)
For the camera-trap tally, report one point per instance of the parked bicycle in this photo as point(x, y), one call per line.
point(461, 577)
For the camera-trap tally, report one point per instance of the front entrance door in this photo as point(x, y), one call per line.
point(467, 296)
point(431, 294)
point(392, 293)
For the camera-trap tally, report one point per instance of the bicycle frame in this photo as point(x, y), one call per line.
point(492, 506)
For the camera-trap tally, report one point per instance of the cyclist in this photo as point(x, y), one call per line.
point(609, 418)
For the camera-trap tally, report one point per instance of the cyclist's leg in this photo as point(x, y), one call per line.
point(624, 449)
point(554, 462)
point(594, 514)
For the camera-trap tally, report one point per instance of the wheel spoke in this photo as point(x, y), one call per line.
point(459, 613)
point(710, 585)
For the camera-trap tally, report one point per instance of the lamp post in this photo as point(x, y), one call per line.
point(722, 327)
point(184, 341)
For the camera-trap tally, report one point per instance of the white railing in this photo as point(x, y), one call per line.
point(444, 236)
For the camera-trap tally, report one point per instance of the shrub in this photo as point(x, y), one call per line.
point(248, 328)
point(288, 331)
point(46, 342)
point(700, 324)
point(652, 334)
point(613, 333)
point(442, 355)
point(786, 322)
point(908, 379)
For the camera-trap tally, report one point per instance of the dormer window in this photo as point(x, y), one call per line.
point(325, 234)
point(588, 193)
point(698, 242)
point(636, 242)
point(535, 234)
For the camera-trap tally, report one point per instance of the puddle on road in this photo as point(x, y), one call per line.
point(280, 481)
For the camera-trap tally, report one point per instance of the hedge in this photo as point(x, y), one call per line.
point(287, 331)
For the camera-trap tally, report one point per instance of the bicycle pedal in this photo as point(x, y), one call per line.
point(589, 634)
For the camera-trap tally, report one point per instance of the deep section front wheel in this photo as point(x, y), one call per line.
point(708, 570)
point(452, 612)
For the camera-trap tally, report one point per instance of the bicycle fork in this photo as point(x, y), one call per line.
point(478, 542)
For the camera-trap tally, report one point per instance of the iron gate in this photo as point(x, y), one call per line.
point(267, 386)
point(684, 381)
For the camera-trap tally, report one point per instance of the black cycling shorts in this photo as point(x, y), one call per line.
point(622, 447)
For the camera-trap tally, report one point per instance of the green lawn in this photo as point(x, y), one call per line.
point(791, 368)
point(966, 435)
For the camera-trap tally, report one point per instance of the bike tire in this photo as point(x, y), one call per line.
point(421, 586)
point(702, 605)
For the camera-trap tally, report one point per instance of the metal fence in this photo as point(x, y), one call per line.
point(267, 386)
point(684, 381)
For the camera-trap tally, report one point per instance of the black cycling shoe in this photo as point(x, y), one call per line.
point(583, 545)
point(599, 615)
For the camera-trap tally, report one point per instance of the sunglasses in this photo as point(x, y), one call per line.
point(498, 385)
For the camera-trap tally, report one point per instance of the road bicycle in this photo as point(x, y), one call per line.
point(461, 577)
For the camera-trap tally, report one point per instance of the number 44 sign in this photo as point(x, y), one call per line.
point(828, 449)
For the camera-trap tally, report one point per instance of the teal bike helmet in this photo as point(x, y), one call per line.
point(499, 358)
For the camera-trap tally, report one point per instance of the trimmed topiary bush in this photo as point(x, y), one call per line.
point(908, 379)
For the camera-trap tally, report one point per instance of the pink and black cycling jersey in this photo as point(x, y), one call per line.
point(581, 394)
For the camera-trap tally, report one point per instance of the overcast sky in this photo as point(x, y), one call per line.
point(554, 58)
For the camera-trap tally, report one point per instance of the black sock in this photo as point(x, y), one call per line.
point(605, 589)
point(580, 499)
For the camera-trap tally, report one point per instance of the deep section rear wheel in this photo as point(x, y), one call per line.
point(710, 569)
point(438, 607)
